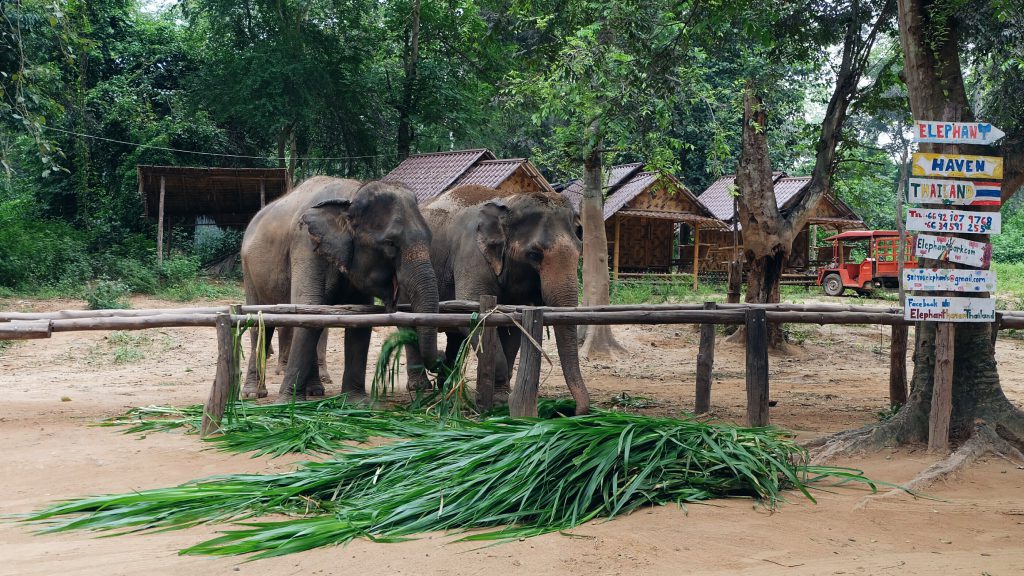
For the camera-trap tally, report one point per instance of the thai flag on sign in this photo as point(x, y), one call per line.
point(986, 194)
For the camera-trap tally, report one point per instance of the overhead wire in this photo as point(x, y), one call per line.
point(179, 150)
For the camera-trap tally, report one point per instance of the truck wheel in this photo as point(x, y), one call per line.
point(833, 285)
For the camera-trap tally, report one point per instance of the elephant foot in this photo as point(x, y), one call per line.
point(253, 391)
point(325, 377)
point(316, 389)
point(418, 382)
point(280, 368)
point(288, 398)
point(501, 396)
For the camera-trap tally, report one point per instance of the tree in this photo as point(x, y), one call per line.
point(768, 234)
point(932, 34)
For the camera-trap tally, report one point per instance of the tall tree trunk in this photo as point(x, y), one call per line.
point(935, 83)
point(411, 57)
point(600, 341)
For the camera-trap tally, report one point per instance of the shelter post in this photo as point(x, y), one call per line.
point(263, 194)
point(160, 225)
point(618, 239)
point(696, 252)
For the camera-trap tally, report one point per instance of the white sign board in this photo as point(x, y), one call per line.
point(951, 280)
point(956, 132)
point(950, 192)
point(960, 221)
point(949, 309)
point(957, 166)
point(951, 249)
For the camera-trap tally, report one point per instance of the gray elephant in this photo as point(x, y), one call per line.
point(523, 248)
point(335, 241)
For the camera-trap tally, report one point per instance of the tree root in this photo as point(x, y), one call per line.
point(984, 441)
point(869, 438)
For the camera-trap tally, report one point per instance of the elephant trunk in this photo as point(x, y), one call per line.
point(420, 284)
point(566, 293)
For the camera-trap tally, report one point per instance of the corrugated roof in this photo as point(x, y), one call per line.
point(719, 201)
point(428, 175)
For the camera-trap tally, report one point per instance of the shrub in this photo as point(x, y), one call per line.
point(105, 294)
point(178, 271)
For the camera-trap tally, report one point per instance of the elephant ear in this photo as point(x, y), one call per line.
point(490, 234)
point(329, 229)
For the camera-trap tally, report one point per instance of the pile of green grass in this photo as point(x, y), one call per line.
point(510, 477)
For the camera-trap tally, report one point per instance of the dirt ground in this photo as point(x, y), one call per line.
point(836, 379)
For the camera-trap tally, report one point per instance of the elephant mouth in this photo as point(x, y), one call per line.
point(391, 303)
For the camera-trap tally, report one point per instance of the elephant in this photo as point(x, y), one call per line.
point(523, 248)
point(337, 241)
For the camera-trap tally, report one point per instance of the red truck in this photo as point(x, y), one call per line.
point(863, 260)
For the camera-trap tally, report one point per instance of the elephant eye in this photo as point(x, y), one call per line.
point(535, 256)
point(579, 231)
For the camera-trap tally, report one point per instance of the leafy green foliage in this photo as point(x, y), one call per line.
point(106, 294)
point(519, 477)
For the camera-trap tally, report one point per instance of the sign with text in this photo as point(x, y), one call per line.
point(953, 192)
point(949, 309)
point(951, 249)
point(956, 132)
point(952, 280)
point(962, 221)
point(957, 166)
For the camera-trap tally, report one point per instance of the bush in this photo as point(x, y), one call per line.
point(105, 294)
point(178, 271)
point(41, 253)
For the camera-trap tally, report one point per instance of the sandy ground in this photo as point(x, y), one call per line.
point(54, 389)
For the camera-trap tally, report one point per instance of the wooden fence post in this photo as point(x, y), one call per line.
point(995, 328)
point(735, 281)
point(898, 365)
point(485, 357)
point(942, 388)
point(523, 400)
point(757, 367)
point(705, 362)
point(227, 368)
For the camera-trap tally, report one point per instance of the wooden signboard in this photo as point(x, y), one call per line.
point(953, 192)
point(949, 309)
point(949, 280)
point(960, 221)
point(956, 132)
point(957, 166)
point(951, 249)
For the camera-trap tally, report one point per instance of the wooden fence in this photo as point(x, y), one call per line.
point(455, 314)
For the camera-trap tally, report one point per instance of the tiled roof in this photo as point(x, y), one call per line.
point(428, 175)
point(574, 194)
point(620, 173)
point(627, 191)
point(786, 188)
point(718, 200)
point(490, 173)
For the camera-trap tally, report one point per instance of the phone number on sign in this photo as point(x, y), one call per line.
point(953, 222)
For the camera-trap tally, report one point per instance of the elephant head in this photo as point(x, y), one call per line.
point(532, 242)
point(380, 242)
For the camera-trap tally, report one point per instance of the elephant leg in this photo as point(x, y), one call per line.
point(455, 339)
point(505, 361)
point(256, 387)
point(414, 369)
point(357, 347)
point(284, 344)
point(301, 371)
point(323, 380)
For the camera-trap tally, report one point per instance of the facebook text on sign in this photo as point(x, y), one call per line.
point(946, 279)
point(957, 166)
point(949, 309)
point(956, 132)
point(951, 249)
point(961, 221)
point(954, 192)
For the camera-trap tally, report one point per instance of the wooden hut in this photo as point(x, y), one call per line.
point(831, 213)
point(642, 214)
point(428, 175)
point(229, 197)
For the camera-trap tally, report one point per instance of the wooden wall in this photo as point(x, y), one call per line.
point(646, 244)
point(520, 181)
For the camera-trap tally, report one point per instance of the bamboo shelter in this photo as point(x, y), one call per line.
point(429, 175)
point(227, 196)
point(723, 244)
point(643, 212)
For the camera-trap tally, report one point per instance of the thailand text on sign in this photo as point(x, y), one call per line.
point(957, 132)
point(945, 279)
point(962, 221)
point(949, 309)
point(957, 165)
point(959, 192)
point(950, 249)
